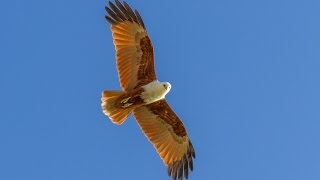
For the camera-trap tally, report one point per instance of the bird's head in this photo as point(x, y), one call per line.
point(166, 86)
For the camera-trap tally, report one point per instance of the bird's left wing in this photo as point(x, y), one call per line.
point(167, 133)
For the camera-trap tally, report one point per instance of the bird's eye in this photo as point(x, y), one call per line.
point(165, 86)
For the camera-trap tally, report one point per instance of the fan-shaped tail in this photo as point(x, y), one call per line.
point(110, 107)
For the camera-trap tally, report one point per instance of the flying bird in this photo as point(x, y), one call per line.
point(142, 94)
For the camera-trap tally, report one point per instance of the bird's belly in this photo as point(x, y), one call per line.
point(132, 98)
point(151, 96)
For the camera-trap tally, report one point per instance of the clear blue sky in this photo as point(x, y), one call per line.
point(245, 80)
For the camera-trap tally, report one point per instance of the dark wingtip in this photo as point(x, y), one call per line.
point(180, 172)
point(185, 167)
point(139, 19)
point(120, 12)
point(169, 170)
point(180, 169)
point(110, 20)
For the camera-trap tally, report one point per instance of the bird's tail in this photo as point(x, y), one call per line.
point(112, 108)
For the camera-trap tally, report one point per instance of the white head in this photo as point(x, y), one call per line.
point(155, 91)
point(166, 86)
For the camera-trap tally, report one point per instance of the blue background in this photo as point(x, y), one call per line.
point(245, 80)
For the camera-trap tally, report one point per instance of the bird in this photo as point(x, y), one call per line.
point(142, 94)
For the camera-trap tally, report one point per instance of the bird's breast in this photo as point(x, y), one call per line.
point(152, 93)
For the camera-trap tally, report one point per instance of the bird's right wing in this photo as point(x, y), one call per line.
point(134, 50)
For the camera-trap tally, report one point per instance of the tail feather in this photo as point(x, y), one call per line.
point(111, 108)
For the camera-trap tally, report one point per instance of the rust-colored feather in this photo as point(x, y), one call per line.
point(174, 148)
point(133, 46)
point(135, 64)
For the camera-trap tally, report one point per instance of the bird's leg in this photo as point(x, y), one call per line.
point(125, 103)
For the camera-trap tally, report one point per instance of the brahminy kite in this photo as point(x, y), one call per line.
point(142, 94)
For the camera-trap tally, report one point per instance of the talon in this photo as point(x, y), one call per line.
point(126, 105)
point(123, 101)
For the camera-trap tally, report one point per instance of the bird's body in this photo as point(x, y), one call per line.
point(142, 94)
point(154, 91)
point(122, 101)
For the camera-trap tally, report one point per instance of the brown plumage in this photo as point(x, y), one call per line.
point(142, 94)
point(134, 50)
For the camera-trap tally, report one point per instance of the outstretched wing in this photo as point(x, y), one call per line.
point(134, 50)
point(167, 133)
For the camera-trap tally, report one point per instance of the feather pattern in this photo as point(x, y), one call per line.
point(135, 64)
point(134, 50)
point(175, 147)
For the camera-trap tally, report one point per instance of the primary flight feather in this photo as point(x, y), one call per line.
point(143, 95)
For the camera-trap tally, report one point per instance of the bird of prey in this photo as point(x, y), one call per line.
point(142, 94)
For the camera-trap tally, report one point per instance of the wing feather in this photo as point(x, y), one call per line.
point(134, 50)
point(135, 64)
point(117, 11)
point(166, 132)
